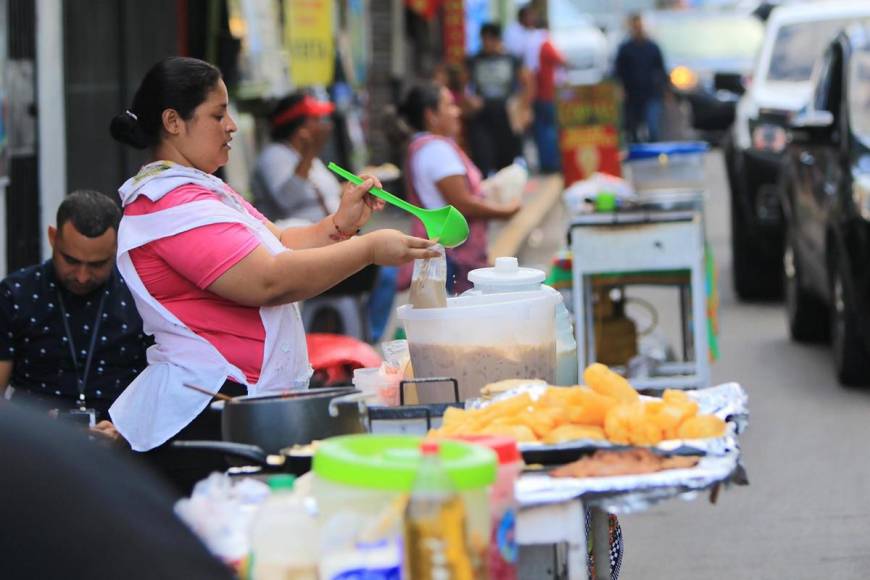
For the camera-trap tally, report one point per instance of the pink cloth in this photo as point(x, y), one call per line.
point(177, 271)
point(471, 254)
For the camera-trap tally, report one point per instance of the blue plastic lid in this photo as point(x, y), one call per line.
point(651, 150)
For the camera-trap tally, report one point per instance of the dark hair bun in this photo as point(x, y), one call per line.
point(126, 129)
point(176, 82)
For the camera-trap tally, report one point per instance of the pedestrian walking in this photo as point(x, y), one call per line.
point(640, 68)
point(496, 78)
point(544, 124)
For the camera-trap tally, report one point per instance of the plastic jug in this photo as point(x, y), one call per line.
point(361, 482)
point(509, 276)
point(479, 339)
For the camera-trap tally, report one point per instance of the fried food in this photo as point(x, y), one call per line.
point(605, 463)
point(497, 387)
point(574, 433)
point(519, 433)
point(701, 427)
point(627, 423)
point(590, 408)
point(610, 384)
point(609, 408)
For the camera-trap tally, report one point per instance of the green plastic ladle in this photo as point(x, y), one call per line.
point(445, 225)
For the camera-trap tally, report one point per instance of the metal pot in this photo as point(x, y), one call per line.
point(275, 422)
point(288, 460)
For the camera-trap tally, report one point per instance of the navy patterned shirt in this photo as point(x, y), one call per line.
point(32, 335)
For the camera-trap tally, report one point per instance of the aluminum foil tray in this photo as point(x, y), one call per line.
point(729, 402)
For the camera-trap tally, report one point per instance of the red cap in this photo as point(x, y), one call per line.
point(505, 448)
point(307, 107)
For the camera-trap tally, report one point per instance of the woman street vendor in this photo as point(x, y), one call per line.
point(214, 280)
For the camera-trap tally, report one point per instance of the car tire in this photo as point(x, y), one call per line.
point(807, 315)
point(755, 276)
point(850, 356)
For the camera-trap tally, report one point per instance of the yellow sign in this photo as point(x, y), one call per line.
point(310, 41)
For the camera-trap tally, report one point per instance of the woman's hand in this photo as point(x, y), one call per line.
point(393, 248)
point(357, 205)
point(108, 431)
point(510, 208)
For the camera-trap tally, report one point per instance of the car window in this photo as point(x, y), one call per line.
point(859, 93)
point(725, 37)
point(798, 46)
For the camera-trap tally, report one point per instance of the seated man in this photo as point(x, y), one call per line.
point(70, 335)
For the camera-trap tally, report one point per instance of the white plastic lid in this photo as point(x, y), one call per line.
point(507, 275)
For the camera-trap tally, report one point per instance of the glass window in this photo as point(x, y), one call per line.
point(798, 46)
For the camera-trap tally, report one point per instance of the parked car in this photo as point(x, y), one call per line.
point(826, 208)
point(794, 39)
point(708, 53)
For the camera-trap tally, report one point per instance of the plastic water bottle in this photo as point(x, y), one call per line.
point(436, 545)
point(285, 540)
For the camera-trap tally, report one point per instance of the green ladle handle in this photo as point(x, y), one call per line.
point(376, 191)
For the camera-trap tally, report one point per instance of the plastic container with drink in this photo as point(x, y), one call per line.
point(507, 276)
point(479, 339)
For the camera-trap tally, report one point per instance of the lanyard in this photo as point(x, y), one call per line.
point(82, 379)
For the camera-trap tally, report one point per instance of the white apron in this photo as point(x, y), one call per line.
point(157, 405)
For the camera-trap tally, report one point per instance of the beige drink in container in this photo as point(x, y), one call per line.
point(481, 339)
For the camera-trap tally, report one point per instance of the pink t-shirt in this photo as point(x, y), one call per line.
point(177, 271)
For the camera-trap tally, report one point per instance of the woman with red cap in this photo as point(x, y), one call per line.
point(215, 281)
point(289, 180)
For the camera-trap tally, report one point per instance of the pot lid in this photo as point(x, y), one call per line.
point(390, 462)
point(506, 273)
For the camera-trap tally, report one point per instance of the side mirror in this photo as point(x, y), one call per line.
point(710, 112)
point(811, 127)
point(731, 82)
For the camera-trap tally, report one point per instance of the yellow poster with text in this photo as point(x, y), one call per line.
point(309, 41)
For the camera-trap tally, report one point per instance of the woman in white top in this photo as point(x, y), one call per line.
point(439, 173)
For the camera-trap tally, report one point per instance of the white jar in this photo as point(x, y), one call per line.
point(508, 276)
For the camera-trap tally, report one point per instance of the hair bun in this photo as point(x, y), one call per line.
point(125, 128)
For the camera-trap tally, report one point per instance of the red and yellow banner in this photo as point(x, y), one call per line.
point(589, 118)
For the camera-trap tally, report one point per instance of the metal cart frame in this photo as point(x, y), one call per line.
point(628, 244)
